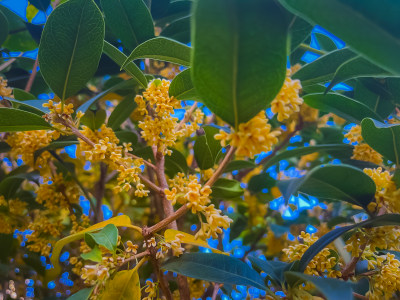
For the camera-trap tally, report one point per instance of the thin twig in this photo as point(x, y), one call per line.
point(308, 48)
point(134, 258)
point(147, 163)
point(187, 116)
point(32, 77)
point(9, 62)
point(221, 167)
point(215, 291)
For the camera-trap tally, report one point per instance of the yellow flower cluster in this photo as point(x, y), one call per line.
point(175, 245)
point(12, 215)
point(387, 281)
point(288, 100)
point(25, 144)
point(252, 137)
point(159, 128)
point(5, 91)
point(106, 150)
point(151, 289)
point(61, 111)
point(189, 191)
point(362, 151)
point(58, 194)
point(323, 263)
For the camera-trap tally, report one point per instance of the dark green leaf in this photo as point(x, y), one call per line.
point(175, 163)
point(53, 146)
point(178, 30)
point(383, 138)
point(349, 20)
point(127, 137)
point(42, 5)
point(327, 182)
point(71, 46)
point(332, 289)
point(299, 32)
point(82, 294)
point(121, 112)
point(343, 106)
point(225, 188)
point(10, 185)
point(273, 269)
point(323, 69)
point(21, 95)
point(239, 165)
point(33, 106)
point(354, 68)
point(307, 150)
point(161, 48)
point(325, 42)
point(94, 118)
point(119, 58)
point(182, 87)
point(216, 268)
point(206, 148)
point(235, 42)
point(4, 28)
point(129, 20)
point(259, 182)
point(12, 119)
point(107, 237)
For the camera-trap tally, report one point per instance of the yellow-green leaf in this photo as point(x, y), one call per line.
point(125, 285)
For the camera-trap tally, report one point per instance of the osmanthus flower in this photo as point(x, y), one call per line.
point(159, 127)
point(323, 263)
point(188, 190)
point(131, 247)
point(288, 100)
point(362, 151)
point(151, 289)
point(5, 91)
point(251, 138)
point(12, 215)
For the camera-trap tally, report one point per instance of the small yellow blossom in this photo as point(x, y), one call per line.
point(131, 248)
point(5, 91)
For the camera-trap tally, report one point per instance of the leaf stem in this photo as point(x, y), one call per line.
point(311, 49)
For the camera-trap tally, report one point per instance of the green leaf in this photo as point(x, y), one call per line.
point(182, 88)
point(21, 95)
point(354, 68)
point(323, 69)
point(33, 106)
point(94, 118)
point(349, 21)
point(10, 185)
point(42, 5)
point(4, 147)
point(216, 268)
point(125, 285)
point(127, 137)
point(327, 182)
point(308, 150)
point(322, 242)
point(206, 148)
point(383, 138)
point(259, 182)
point(178, 30)
point(161, 48)
point(71, 46)
point(119, 58)
point(299, 32)
point(82, 294)
point(174, 163)
point(239, 165)
point(94, 255)
point(4, 28)
point(274, 269)
point(332, 289)
point(53, 146)
point(325, 42)
point(225, 188)
point(234, 43)
point(107, 237)
point(129, 20)
point(121, 112)
point(12, 119)
point(343, 106)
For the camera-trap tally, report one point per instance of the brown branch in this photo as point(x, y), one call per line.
point(134, 258)
point(32, 77)
point(147, 163)
point(9, 62)
point(348, 270)
point(187, 116)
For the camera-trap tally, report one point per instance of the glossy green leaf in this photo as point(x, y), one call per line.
point(125, 136)
point(94, 118)
point(349, 20)
point(273, 269)
point(383, 138)
point(239, 165)
point(206, 148)
point(125, 285)
point(161, 48)
point(343, 106)
point(225, 188)
point(10, 185)
point(33, 106)
point(234, 43)
point(12, 119)
point(327, 182)
point(314, 249)
point(299, 31)
point(182, 88)
point(22, 95)
point(259, 182)
point(325, 42)
point(178, 30)
point(121, 112)
point(119, 58)
point(129, 20)
point(71, 46)
point(215, 268)
point(106, 237)
point(94, 255)
point(331, 288)
point(354, 68)
point(4, 28)
point(82, 294)
point(174, 163)
point(324, 68)
point(308, 150)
